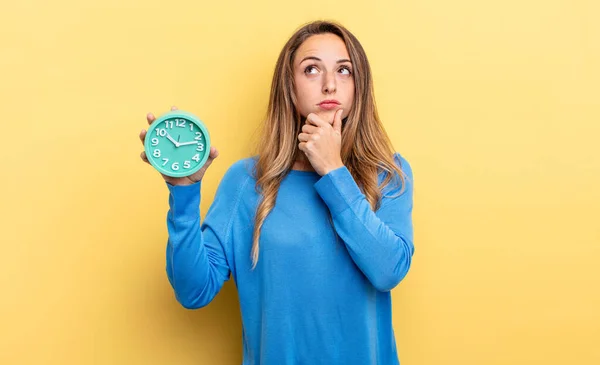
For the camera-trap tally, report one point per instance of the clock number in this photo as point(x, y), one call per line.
point(167, 124)
point(154, 141)
point(200, 147)
point(192, 127)
point(196, 157)
point(156, 153)
point(166, 160)
point(161, 132)
point(198, 136)
point(181, 123)
point(175, 166)
point(186, 164)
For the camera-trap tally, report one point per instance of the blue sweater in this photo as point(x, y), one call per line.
point(320, 294)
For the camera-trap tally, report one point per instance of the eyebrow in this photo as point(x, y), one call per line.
point(318, 59)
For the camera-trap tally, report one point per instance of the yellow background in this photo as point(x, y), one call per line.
point(494, 103)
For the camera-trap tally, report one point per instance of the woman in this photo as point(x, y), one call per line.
point(316, 228)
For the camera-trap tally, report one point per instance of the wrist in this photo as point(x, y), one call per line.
point(182, 182)
point(333, 167)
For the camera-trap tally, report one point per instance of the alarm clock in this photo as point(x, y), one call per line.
point(177, 144)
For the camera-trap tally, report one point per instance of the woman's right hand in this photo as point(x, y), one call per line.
point(186, 180)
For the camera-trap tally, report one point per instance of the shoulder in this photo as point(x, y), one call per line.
point(238, 174)
point(241, 168)
point(402, 183)
point(404, 165)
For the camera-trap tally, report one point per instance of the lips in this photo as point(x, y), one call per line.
point(330, 102)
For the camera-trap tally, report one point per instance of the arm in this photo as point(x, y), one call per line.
point(196, 256)
point(380, 243)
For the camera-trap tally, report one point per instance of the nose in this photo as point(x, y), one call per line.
point(329, 83)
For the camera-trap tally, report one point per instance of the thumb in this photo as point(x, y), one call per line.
point(337, 121)
point(214, 153)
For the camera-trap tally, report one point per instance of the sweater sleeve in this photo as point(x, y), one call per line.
point(196, 255)
point(381, 242)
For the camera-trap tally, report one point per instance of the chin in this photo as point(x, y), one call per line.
point(326, 115)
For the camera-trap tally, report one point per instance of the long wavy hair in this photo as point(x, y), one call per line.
point(366, 149)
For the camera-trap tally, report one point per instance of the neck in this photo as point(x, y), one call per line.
point(301, 163)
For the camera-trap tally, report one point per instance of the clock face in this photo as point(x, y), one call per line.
point(177, 144)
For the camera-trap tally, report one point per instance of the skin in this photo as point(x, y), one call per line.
point(322, 70)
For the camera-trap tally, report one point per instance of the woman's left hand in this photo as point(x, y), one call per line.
point(321, 142)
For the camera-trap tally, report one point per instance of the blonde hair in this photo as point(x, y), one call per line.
point(366, 149)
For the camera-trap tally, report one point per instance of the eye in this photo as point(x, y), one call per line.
point(309, 68)
point(347, 69)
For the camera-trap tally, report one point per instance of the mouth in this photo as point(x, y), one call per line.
point(329, 104)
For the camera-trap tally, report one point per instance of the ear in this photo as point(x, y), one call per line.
point(337, 121)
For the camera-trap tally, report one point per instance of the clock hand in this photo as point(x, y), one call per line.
point(177, 144)
point(187, 143)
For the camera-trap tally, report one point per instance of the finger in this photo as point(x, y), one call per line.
point(314, 119)
point(310, 129)
point(303, 137)
point(306, 146)
point(214, 153)
point(143, 157)
point(173, 107)
point(150, 118)
point(337, 121)
point(302, 146)
point(143, 135)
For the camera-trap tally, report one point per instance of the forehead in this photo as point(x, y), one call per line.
point(328, 47)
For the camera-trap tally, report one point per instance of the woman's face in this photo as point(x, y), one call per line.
point(323, 72)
